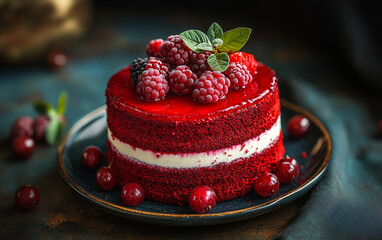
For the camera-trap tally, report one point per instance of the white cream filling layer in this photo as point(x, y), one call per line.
point(200, 159)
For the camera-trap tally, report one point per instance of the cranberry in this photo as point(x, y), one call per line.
point(23, 146)
point(22, 127)
point(57, 59)
point(91, 158)
point(106, 178)
point(298, 126)
point(266, 185)
point(287, 170)
point(132, 194)
point(202, 199)
point(39, 126)
point(290, 160)
point(27, 197)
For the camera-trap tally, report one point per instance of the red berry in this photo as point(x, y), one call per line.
point(287, 171)
point(198, 62)
point(210, 87)
point(106, 178)
point(57, 59)
point(39, 126)
point(176, 51)
point(23, 146)
point(132, 194)
point(27, 197)
point(22, 127)
point(298, 126)
point(92, 158)
point(289, 160)
point(152, 85)
point(158, 64)
point(153, 48)
point(202, 199)
point(182, 80)
point(266, 185)
point(246, 59)
point(238, 74)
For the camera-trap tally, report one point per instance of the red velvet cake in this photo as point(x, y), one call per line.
point(175, 143)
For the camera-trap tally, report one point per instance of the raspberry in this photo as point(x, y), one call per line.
point(210, 87)
point(238, 74)
point(39, 126)
point(160, 65)
point(176, 51)
point(198, 62)
point(22, 127)
point(246, 59)
point(153, 48)
point(152, 85)
point(182, 80)
point(136, 69)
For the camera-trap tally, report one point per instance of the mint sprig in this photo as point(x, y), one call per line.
point(56, 124)
point(217, 41)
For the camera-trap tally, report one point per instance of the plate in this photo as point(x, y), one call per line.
point(91, 130)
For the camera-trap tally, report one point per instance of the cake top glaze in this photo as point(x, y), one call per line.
point(121, 92)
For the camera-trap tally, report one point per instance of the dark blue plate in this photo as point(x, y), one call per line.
point(91, 130)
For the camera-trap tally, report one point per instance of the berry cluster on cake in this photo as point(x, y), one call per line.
point(196, 112)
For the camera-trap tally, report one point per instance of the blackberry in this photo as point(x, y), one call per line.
point(136, 69)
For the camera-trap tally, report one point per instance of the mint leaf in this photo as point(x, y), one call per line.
point(214, 31)
point(217, 42)
point(234, 40)
point(218, 62)
point(61, 104)
point(44, 108)
point(53, 131)
point(192, 38)
point(204, 46)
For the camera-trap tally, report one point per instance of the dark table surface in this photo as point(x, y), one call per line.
point(112, 42)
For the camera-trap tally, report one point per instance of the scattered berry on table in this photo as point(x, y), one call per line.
point(27, 197)
point(158, 64)
point(176, 51)
point(153, 48)
point(136, 69)
point(132, 194)
point(198, 62)
point(57, 59)
point(39, 126)
point(23, 146)
point(202, 199)
point(152, 85)
point(210, 87)
point(23, 126)
point(287, 170)
point(238, 74)
point(298, 125)
point(266, 185)
point(92, 158)
point(182, 80)
point(245, 58)
point(106, 178)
